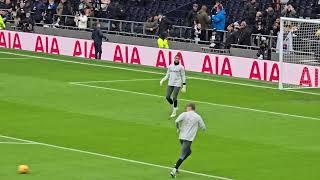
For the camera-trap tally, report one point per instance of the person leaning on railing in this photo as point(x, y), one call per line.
point(151, 25)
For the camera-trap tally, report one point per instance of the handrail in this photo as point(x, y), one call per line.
point(118, 33)
point(258, 37)
point(136, 27)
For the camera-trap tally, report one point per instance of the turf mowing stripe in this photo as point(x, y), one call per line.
point(113, 157)
point(201, 102)
point(153, 72)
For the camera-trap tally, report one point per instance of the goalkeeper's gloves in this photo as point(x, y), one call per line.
point(161, 82)
point(184, 88)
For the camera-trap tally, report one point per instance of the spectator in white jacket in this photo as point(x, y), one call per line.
point(81, 20)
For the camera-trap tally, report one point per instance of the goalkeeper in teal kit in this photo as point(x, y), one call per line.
point(177, 80)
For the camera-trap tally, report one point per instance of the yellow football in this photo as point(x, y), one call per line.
point(23, 169)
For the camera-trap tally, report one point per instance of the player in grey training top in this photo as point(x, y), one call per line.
point(177, 79)
point(187, 124)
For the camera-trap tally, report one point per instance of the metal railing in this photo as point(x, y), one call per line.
point(257, 39)
point(133, 27)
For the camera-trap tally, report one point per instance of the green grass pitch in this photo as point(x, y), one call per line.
point(100, 128)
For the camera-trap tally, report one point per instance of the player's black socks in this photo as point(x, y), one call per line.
point(170, 100)
point(175, 103)
point(178, 164)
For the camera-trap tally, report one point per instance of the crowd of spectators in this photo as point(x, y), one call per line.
point(255, 21)
point(204, 23)
point(210, 25)
point(29, 12)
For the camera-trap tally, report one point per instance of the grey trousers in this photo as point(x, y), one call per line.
point(172, 89)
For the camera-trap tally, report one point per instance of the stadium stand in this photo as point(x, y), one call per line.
point(248, 23)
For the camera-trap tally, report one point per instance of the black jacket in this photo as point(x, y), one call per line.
point(232, 38)
point(250, 12)
point(245, 36)
point(97, 36)
point(108, 12)
point(164, 25)
point(191, 17)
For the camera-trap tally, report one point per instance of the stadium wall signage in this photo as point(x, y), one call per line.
point(232, 66)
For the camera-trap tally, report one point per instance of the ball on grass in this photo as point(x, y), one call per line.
point(23, 169)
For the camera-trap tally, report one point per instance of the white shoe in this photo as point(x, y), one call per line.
point(174, 112)
point(173, 173)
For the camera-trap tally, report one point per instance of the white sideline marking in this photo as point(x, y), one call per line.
point(17, 143)
point(234, 83)
point(302, 92)
point(12, 58)
point(153, 72)
point(112, 81)
point(112, 157)
point(201, 102)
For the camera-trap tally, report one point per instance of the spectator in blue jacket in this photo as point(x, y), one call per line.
point(219, 22)
point(219, 19)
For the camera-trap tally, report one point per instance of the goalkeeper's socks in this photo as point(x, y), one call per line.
point(170, 100)
point(175, 103)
